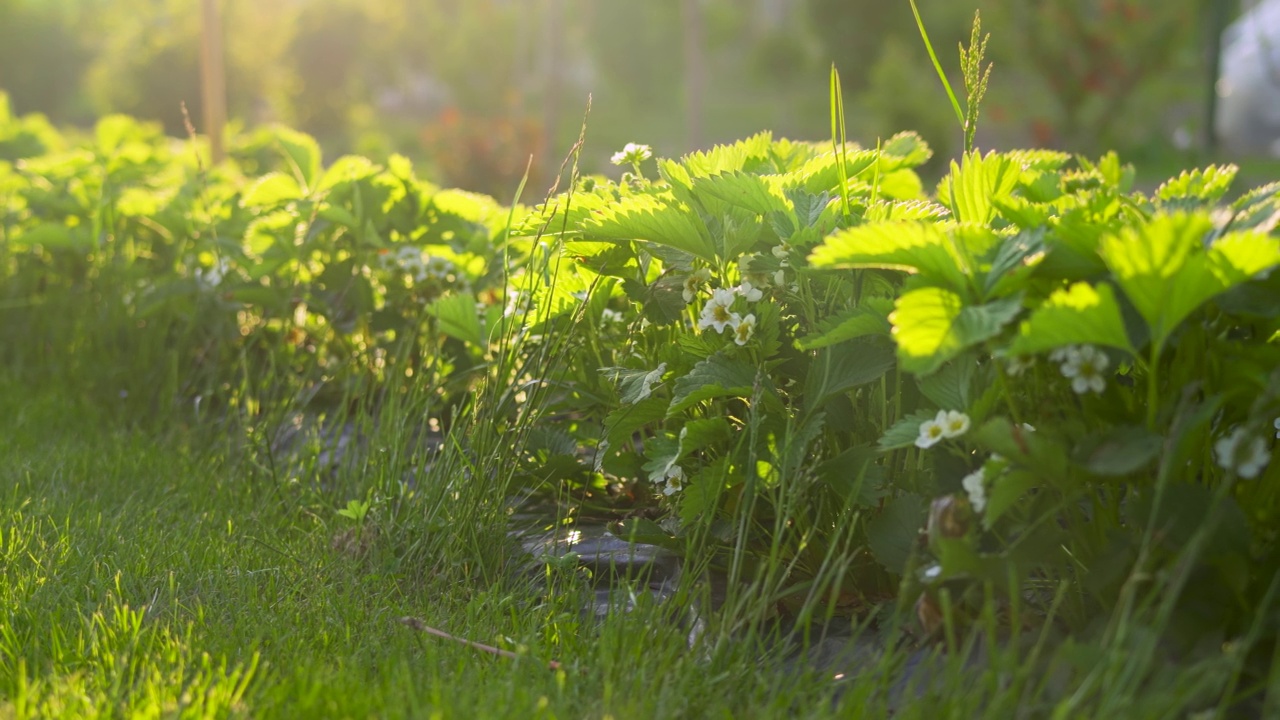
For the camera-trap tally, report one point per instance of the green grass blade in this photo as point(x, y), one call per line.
point(942, 75)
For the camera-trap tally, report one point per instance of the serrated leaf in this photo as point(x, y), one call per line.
point(717, 376)
point(1005, 491)
point(1118, 451)
point(756, 193)
point(661, 221)
point(1014, 259)
point(634, 385)
point(901, 210)
point(1039, 158)
point(841, 367)
point(904, 150)
point(303, 154)
point(932, 325)
point(909, 246)
point(1166, 273)
point(622, 423)
point(1079, 315)
point(892, 534)
point(871, 318)
point(973, 186)
point(808, 206)
point(748, 154)
point(458, 318)
point(347, 169)
point(1197, 188)
point(949, 387)
point(270, 190)
point(662, 303)
point(702, 433)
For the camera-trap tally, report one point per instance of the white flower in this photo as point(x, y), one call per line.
point(1277, 425)
point(694, 282)
point(932, 431)
point(650, 379)
point(975, 485)
point(780, 278)
point(954, 424)
point(750, 293)
point(716, 313)
point(437, 268)
point(1059, 354)
point(610, 315)
point(1246, 455)
point(632, 154)
point(1018, 365)
point(744, 329)
point(1084, 365)
point(209, 278)
point(673, 478)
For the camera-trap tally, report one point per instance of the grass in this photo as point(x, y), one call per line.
point(163, 574)
point(155, 577)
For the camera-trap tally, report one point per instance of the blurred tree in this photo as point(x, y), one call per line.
point(147, 58)
point(1112, 68)
point(42, 56)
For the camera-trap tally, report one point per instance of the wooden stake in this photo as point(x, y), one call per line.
point(213, 83)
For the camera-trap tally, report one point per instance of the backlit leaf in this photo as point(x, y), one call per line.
point(1079, 315)
point(932, 325)
point(909, 246)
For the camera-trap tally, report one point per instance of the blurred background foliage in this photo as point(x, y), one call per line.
point(472, 88)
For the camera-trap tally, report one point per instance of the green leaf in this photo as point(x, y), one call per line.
point(756, 193)
point(871, 318)
point(892, 534)
point(904, 150)
point(1118, 451)
point(303, 153)
point(905, 431)
point(661, 221)
point(1014, 260)
point(808, 207)
point(347, 169)
point(702, 433)
point(910, 246)
point(1024, 448)
point(622, 423)
point(270, 190)
point(1078, 315)
point(458, 318)
point(949, 388)
point(854, 470)
point(634, 385)
point(973, 186)
point(1005, 491)
point(748, 154)
point(50, 235)
point(717, 376)
point(663, 301)
point(932, 325)
point(844, 366)
point(1197, 188)
point(1166, 274)
point(900, 210)
point(739, 230)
